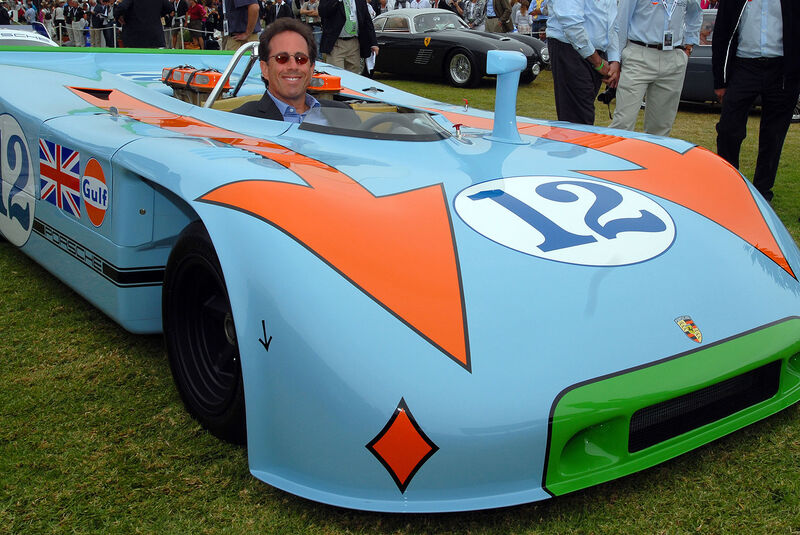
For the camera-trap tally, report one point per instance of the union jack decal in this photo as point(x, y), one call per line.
point(59, 177)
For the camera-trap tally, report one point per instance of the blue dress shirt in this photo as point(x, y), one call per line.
point(647, 20)
point(761, 30)
point(587, 25)
point(290, 114)
point(543, 6)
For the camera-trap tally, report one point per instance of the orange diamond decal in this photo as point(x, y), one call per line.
point(402, 447)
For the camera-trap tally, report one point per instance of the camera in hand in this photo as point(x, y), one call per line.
point(608, 95)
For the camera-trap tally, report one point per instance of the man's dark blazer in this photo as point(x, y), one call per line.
point(726, 39)
point(142, 28)
point(97, 15)
point(183, 7)
point(267, 109)
point(331, 13)
point(284, 11)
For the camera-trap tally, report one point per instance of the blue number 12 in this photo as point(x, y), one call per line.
point(556, 237)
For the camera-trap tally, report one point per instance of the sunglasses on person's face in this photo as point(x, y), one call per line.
point(283, 58)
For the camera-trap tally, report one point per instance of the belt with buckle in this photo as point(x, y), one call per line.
point(762, 59)
point(348, 38)
point(657, 47)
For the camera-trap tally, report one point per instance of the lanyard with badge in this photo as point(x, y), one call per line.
point(666, 43)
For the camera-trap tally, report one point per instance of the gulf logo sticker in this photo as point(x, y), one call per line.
point(571, 220)
point(94, 191)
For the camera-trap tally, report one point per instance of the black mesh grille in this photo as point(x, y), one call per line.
point(673, 417)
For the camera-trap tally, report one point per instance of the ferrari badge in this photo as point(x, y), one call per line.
point(427, 41)
point(686, 323)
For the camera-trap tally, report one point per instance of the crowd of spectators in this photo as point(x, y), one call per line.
point(199, 23)
point(630, 44)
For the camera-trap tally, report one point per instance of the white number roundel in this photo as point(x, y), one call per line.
point(573, 220)
point(16, 183)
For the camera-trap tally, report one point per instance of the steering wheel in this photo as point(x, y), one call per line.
point(396, 119)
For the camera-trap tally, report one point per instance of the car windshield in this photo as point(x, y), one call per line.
point(375, 120)
point(434, 22)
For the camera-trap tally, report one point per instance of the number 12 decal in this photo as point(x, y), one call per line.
point(569, 220)
point(16, 182)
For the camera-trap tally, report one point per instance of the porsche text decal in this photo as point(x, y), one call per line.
point(122, 277)
point(17, 188)
point(569, 220)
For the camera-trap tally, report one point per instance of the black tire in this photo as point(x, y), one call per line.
point(526, 76)
point(460, 69)
point(796, 112)
point(201, 338)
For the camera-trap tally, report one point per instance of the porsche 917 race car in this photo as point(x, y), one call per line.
point(407, 306)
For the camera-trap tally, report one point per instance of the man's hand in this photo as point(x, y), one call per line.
point(688, 49)
point(240, 36)
point(599, 64)
point(375, 50)
point(720, 93)
point(612, 78)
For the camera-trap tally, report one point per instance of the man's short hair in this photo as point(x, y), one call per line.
point(286, 24)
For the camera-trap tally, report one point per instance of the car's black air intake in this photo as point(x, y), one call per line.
point(676, 416)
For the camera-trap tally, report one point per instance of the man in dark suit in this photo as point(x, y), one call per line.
point(97, 23)
point(5, 19)
point(286, 51)
point(277, 10)
point(142, 22)
point(347, 33)
point(755, 53)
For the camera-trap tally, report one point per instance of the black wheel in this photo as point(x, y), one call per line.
point(796, 112)
point(460, 69)
point(527, 75)
point(201, 338)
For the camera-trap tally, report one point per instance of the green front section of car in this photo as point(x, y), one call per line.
point(619, 424)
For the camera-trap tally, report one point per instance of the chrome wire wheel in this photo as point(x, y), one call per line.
point(460, 69)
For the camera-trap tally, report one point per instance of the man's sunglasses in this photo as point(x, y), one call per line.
point(283, 58)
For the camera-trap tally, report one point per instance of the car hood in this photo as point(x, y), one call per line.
point(493, 40)
point(468, 281)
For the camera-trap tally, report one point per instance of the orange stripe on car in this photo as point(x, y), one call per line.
point(696, 179)
point(399, 249)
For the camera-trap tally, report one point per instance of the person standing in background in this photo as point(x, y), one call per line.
point(347, 33)
point(142, 22)
point(240, 23)
point(539, 14)
point(277, 10)
point(310, 10)
point(60, 24)
point(96, 23)
point(584, 53)
point(78, 20)
point(656, 40)
point(756, 53)
point(5, 18)
point(475, 14)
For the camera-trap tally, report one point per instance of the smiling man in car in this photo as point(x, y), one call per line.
point(286, 50)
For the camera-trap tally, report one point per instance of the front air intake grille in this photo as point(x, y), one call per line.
point(676, 416)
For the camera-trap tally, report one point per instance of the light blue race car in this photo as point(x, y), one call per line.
point(404, 305)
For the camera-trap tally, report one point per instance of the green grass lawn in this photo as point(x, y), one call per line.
point(94, 439)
